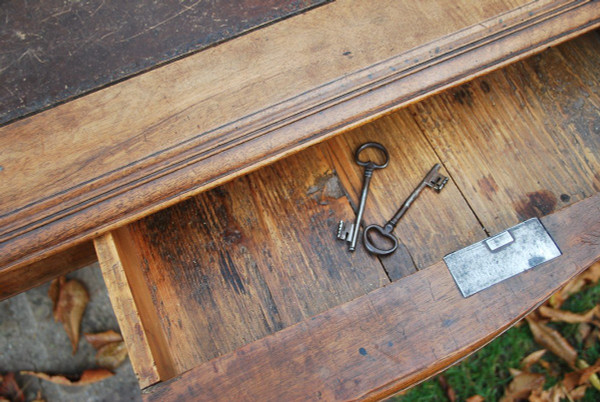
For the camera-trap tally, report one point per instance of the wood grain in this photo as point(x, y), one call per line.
point(245, 260)
point(146, 143)
point(425, 230)
point(391, 338)
point(53, 51)
point(17, 280)
point(523, 141)
point(139, 326)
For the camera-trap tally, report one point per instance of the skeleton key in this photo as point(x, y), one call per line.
point(435, 180)
point(351, 234)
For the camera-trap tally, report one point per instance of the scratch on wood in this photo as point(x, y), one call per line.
point(185, 10)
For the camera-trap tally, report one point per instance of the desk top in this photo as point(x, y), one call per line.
point(54, 51)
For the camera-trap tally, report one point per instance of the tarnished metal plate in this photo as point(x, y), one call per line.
point(497, 258)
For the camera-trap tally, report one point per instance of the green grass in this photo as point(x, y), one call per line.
point(486, 372)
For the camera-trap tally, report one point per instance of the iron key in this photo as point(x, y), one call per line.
point(351, 234)
point(435, 180)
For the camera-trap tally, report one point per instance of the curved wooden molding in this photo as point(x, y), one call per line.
point(111, 157)
point(391, 338)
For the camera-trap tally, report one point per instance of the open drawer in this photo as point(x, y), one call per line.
point(244, 293)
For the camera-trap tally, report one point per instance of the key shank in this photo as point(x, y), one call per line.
point(361, 206)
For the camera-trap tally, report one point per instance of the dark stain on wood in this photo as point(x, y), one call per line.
point(537, 204)
point(565, 197)
point(251, 257)
point(488, 186)
point(485, 86)
point(230, 273)
point(54, 50)
point(463, 95)
point(326, 187)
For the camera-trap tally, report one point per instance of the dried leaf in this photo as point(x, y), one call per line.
point(571, 380)
point(554, 394)
point(100, 339)
point(588, 373)
point(591, 339)
point(111, 355)
point(72, 300)
point(450, 393)
point(87, 377)
point(475, 398)
point(592, 274)
point(568, 316)
point(9, 388)
point(532, 359)
point(54, 291)
point(522, 386)
point(553, 341)
point(583, 331)
point(514, 372)
point(578, 393)
point(589, 276)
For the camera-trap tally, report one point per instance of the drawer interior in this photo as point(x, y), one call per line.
point(230, 266)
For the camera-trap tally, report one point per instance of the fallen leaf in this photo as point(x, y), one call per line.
point(475, 398)
point(532, 359)
point(9, 389)
point(571, 380)
point(100, 339)
point(585, 374)
point(591, 339)
point(583, 331)
point(72, 300)
point(578, 392)
point(522, 386)
point(592, 274)
point(588, 373)
point(111, 355)
point(554, 394)
point(589, 276)
point(87, 377)
point(514, 372)
point(553, 341)
point(54, 291)
point(568, 316)
point(450, 393)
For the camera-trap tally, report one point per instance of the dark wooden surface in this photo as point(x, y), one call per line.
point(524, 141)
point(54, 50)
point(411, 157)
point(149, 142)
point(249, 258)
point(393, 337)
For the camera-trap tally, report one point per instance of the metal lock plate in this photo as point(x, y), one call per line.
point(499, 257)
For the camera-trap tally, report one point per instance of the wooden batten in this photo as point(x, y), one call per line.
point(142, 334)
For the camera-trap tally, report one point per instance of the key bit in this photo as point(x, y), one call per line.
point(345, 231)
point(436, 180)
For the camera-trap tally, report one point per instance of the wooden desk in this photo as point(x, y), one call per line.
point(244, 288)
